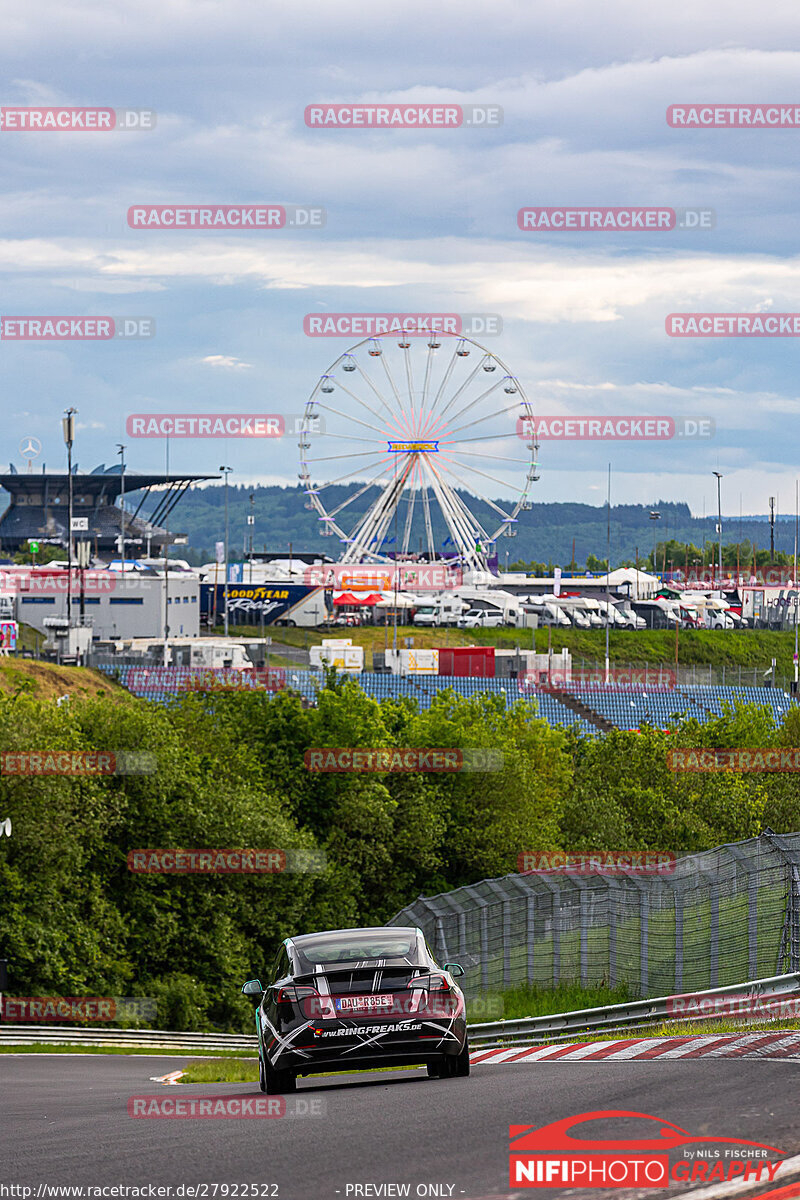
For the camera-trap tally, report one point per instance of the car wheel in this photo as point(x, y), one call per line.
point(460, 1064)
point(279, 1083)
point(262, 1078)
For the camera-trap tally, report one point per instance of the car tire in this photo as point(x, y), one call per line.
point(460, 1064)
point(279, 1083)
point(262, 1078)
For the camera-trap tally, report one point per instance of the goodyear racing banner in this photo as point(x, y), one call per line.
point(249, 602)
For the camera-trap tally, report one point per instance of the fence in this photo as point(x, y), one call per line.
point(721, 917)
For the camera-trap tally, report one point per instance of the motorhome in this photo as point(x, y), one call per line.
point(439, 610)
point(205, 653)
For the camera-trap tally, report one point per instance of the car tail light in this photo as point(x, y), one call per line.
point(439, 998)
point(311, 1002)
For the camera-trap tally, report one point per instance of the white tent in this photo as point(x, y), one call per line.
point(639, 583)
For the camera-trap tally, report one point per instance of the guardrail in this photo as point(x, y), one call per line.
point(556, 1026)
point(53, 1035)
point(553, 1026)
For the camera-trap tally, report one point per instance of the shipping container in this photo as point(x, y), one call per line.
point(467, 661)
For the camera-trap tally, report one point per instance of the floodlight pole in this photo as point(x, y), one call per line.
point(121, 452)
point(226, 471)
point(68, 426)
point(719, 521)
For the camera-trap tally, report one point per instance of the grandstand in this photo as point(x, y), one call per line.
point(622, 708)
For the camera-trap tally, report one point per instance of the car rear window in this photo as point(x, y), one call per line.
point(359, 947)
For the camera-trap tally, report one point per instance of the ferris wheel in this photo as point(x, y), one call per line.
point(407, 442)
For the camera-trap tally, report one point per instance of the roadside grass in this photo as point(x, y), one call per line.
point(80, 1048)
point(730, 648)
point(531, 1001)
point(243, 1070)
point(247, 1072)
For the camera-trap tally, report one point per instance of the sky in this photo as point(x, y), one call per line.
point(416, 221)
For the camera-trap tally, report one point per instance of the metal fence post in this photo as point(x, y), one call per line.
point(678, 895)
point(612, 891)
point(530, 934)
point(713, 937)
point(644, 912)
point(751, 870)
point(584, 932)
point(484, 949)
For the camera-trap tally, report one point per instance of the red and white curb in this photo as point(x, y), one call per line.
point(729, 1045)
point(171, 1077)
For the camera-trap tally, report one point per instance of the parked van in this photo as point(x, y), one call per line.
point(481, 618)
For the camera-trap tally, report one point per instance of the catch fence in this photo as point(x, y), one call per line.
point(721, 917)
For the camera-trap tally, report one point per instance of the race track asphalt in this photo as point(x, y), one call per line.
point(64, 1120)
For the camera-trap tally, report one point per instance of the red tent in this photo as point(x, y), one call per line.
point(372, 600)
point(346, 598)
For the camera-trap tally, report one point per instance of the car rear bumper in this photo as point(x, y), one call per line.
point(342, 1047)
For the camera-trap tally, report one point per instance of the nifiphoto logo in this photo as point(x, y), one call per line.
point(555, 1157)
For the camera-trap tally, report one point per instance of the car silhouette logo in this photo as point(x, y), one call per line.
point(556, 1137)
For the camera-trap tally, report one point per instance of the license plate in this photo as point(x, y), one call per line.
point(370, 1004)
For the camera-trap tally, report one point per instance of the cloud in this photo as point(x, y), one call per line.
point(226, 361)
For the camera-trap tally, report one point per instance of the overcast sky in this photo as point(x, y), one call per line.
point(417, 221)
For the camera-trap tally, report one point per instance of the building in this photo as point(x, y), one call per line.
point(117, 606)
point(39, 506)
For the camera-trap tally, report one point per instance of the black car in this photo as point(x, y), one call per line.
point(355, 999)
